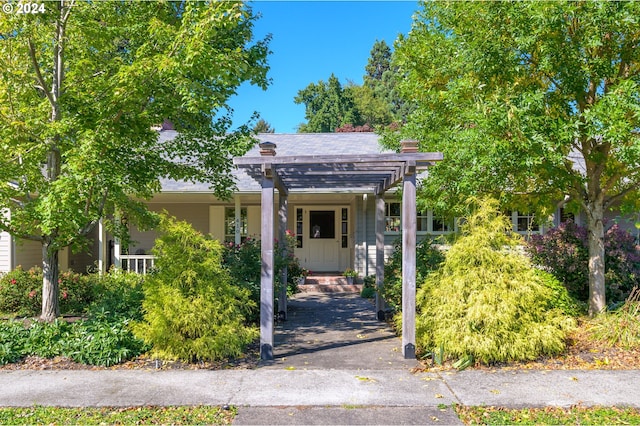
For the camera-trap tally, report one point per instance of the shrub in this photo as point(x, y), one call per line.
point(118, 294)
point(76, 291)
point(243, 262)
point(564, 252)
point(191, 309)
point(487, 302)
point(21, 292)
point(428, 259)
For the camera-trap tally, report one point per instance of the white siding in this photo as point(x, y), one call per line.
point(5, 252)
point(254, 217)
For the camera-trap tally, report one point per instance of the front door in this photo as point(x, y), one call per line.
point(322, 235)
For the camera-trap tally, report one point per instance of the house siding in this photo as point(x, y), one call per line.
point(28, 254)
point(197, 214)
point(5, 252)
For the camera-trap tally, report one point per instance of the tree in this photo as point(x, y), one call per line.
point(534, 98)
point(263, 127)
point(327, 106)
point(83, 83)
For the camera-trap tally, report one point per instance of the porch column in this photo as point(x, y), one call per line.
point(102, 248)
point(409, 254)
point(282, 222)
point(117, 248)
point(237, 239)
point(266, 244)
point(380, 304)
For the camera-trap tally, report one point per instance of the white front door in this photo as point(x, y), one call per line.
point(322, 234)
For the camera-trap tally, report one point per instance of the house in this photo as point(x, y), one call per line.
point(335, 227)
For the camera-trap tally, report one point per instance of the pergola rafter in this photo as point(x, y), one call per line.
point(367, 173)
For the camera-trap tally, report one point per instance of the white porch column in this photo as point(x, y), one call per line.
point(380, 304)
point(102, 248)
point(266, 244)
point(282, 222)
point(409, 255)
point(117, 249)
point(238, 220)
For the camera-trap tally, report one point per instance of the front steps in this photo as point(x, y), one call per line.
point(328, 284)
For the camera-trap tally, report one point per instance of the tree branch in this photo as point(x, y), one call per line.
point(43, 84)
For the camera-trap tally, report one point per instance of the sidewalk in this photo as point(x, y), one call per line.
point(335, 364)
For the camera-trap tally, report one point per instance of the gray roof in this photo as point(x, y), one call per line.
point(293, 144)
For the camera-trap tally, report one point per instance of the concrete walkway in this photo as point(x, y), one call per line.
point(335, 364)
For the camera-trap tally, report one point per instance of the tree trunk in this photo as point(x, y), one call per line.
point(50, 289)
point(595, 227)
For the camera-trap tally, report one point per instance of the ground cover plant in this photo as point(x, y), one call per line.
point(487, 302)
point(101, 336)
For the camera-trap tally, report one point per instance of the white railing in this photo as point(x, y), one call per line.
point(139, 263)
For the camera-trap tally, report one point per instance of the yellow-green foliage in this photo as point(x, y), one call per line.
point(487, 301)
point(191, 309)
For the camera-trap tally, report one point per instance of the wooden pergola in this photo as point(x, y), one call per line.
point(370, 173)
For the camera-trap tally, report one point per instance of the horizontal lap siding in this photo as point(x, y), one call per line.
point(5, 252)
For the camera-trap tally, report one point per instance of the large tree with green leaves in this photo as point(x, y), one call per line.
point(533, 98)
point(83, 84)
point(327, 106)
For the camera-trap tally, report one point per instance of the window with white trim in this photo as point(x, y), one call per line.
point(392, 217)
point(230, 224)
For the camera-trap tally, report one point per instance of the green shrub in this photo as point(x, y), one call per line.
point(487, 302)
point(21, 292)
point(118, 294)
point(76, 291)
point(191, 309)
point(428, 258)
point(243, 262)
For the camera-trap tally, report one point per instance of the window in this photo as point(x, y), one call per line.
point(426, 221)
point(525, 222)
point(230, 224)
point(392, 217)
point(422, 224)
point(323, 224)
point(440, 224)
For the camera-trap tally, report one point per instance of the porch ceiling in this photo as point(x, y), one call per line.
point(369, 173)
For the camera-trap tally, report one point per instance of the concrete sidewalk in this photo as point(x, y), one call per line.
point(335, 364)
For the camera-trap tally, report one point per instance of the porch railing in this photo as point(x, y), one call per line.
point(139, 263)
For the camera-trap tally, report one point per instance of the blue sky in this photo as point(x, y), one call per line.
point(311, 40)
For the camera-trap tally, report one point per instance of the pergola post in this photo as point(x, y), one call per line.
point(379, 228)
point(409, 254)
point(282, 222)
point(266, 244)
